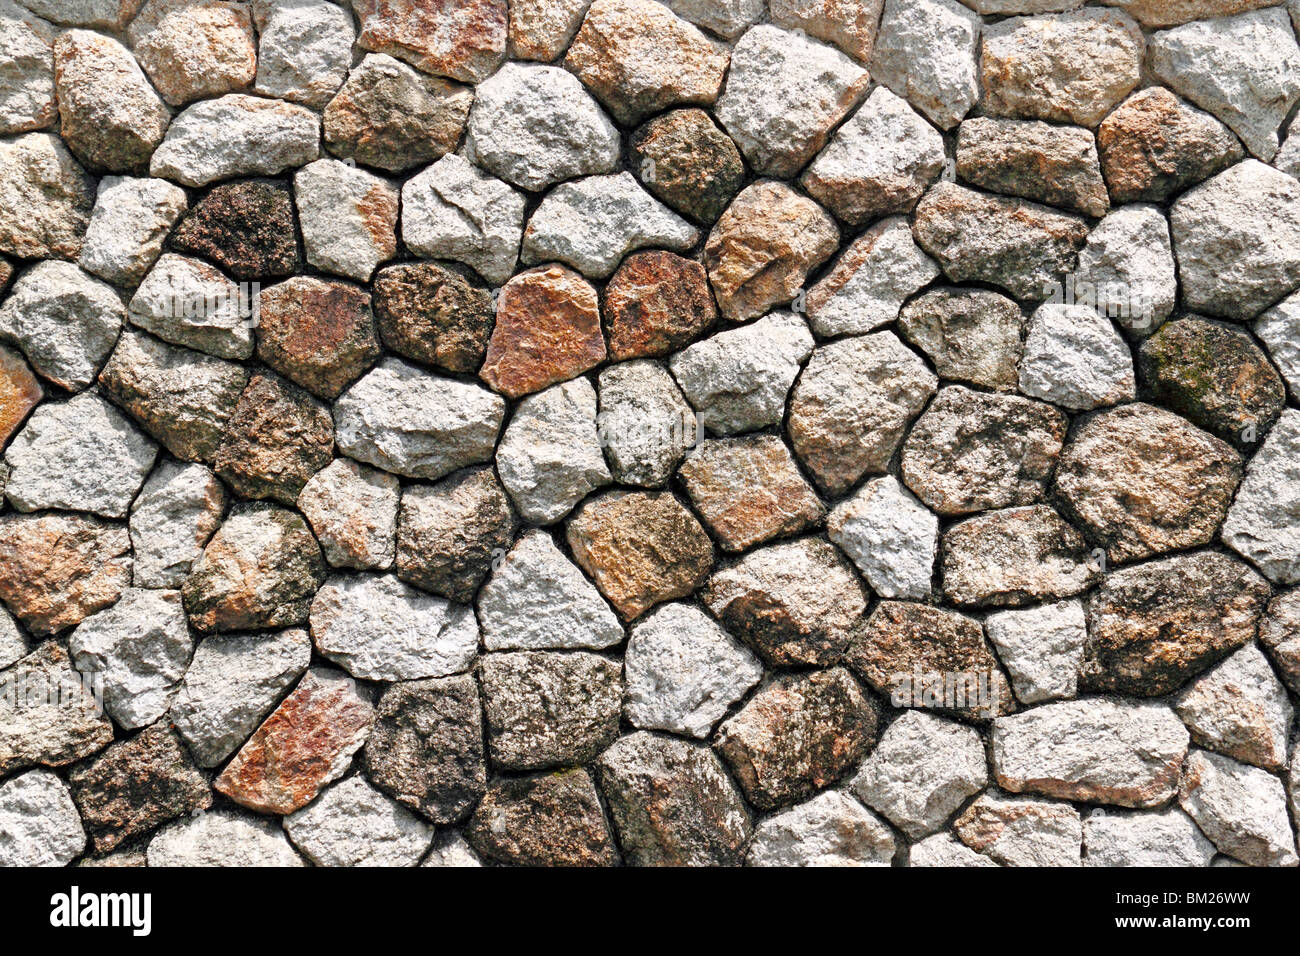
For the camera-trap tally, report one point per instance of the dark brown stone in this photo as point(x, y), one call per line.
point(552, 819)
point(434, 313)
point(687, 161)
point(247, 228)
point(316, 332)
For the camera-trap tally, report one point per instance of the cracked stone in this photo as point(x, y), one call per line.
point(971, 335)
point(925, 52)
point(1056, 165)
point(188, 302)
point(1263, 524)
point(353, 824)
point(461, 39)
point(128, 226)
point(63, 724)
point(1022, 831)
point(352, 510)
point(304, 49)
point(348, 217)
point(1241, 809)
point(655, 303)
point(247, 228)
point(686, 161)
point(831, 829)
point(434, 313)
point(1075, 358)
point(1240, 709)
point(890, 536)
point(45, 198)
point(194, 49)
point(552, 819)
point(1041, 648)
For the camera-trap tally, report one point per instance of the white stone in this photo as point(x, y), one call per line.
point(644, 423)
point(226, 838)
point(27, 72)
point(172, 518)
point(348, 218)
point(1242, 809)
point(1279, 328)
point(1075, 358)
point(726, 18)
point(131, 220)
point(12, 645)
point(39, 824)
point(188, 302)
point(352, 510)
point(1129, 262)
point(304, 49)
point(831, 829)
point(353, 824)
point(450, 849)
point(943, 849)
point(1166, 838)
point(925, 52)
point(1022, 831)
point(1240, 709)
point(45, 198)
point(1041, 648)
point(890, 536)
point(1263, 523)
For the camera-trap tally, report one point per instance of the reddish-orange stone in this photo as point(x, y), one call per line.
point(317, 333)
point(19, 392)
point(657, 303)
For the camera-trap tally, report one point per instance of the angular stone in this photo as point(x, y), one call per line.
point(20, 391)
point(1075, 358)
point(137, 786)
point(236, 135)
point(80, 455)
point(645, 424)
point(426, 748)
point(1239, 709)
point(39, 822)
point(1017, 245)
point(553, 819)
point(307, 743)
point(684, 672)
point(687, 162)
point(304, 49)
point(763, 248)
point(535, 126)
point(13, 646)
point(1279, 632)
point(548, 709)
point(1143, 481)
point(922, 770)
point(277, 438)
point(870, 281)
point(594, 222)
point(831, 829)
point(749, 490)
point(452, 210)
point(848, 24)
point(550, 457)
point(794, 603)
point(1022, 831)
point(1056, 165)
point(1279, 329)
point(55, 569)
point(226, 838)
point(784, 94)
point(259, 570)
point(348, 217)
point(130, 221)
point(450, 849)
point(1154, 145)
point(188, 302)
point(388, 115)
point(547, 331)
point(878, 163)
point(462, 39)
point(319, 333)
point(1152, 627)
point(1165, 13)
point(247, 228)
point(1066, 67)
point(377, 628)
point(673, 803)
point(48, 714)
point(853, 405)
point(971, 335)
point(640, 547)
point(925, 52)
point(1216, 376)
point(1244, 69)
point(797, 735)
point(1241, 809)
point(726, 18)
point(890, 536)
point(1165, 838)
point(943, 849)
point(182, 398)
point(232, 683)
point(27, 100)
point(1128, 263)
point(929, 657)
point(353, 824)
point(111, 117)
point(352, 510)
point(638, 58)
point(1041, 648)
point(972, 451)
point(194, 49)
point(433, 313)
point(64, 321)
point(542, 29)
point(406, 421)
point(45, 198)
point(1263, 524)
point(450, 534)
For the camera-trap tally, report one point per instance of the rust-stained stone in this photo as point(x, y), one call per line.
point(657, 302)
point(547, 331)
point(552, 819)
point(912, 653)
point(1168, 13)
point(195, 48)
point(462, 39)
point(688, 162)
point(58, 568)
point(640, 548)
point(247, 228)
point(277, 438)
point(64, 724)
point(764, 246)
point(20, 390)
point(434, 313)
point(799, 734)
point(307, 742)
point(318, 333)
point(136, 786)
point(748, 490)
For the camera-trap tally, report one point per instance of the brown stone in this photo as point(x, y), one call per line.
point(547, 331)
point(971, 335)
point(848, 24)
point(749, 490)
point(319, 333)
point(307, 742)
point(435, 313)
point(689, 163)
point(764, 246)
point(656, 303)
point(799, 734)
point(541, 29)
point(20, 391)
point(1141, 481)
point(57, 568)
point(1154, 626)
point(136, 786)
point(48, 715)
point(195, 48)
point(462, 39)
point(552, 819)
point(1279, 632)
point(247, 228)
point(1056, 165)
point(640, 548)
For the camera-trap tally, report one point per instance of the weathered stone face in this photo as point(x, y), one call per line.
point(550, 820)
point(434, 314)
point(247, 228)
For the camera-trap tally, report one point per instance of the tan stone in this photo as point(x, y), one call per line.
point(462, 39)
point(848, 24)
point(20, 390)
point(195, 48)
point(541, 29)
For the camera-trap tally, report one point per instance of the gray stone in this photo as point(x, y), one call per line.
point(1242, 809)
point(45, 198)
point(890, 536)
point(61, 723)
point(1279, 328)
point(39, 824)
point(12, 644)
point(1240, 709)
point(1165, 838)
point(188, 302)
point(943, 849)
point(353, 824)
point(1128, 263)
point(971, 335)
point(352, 510)
point(450, 849)
point(1022, 831)
point(106, 14)
point(925, 52)
point(645, 424)
point(27, 100)
point(1076, 359)
point(726, 18)
point(348, 218)
point(1056, 165)
point(225, 838)
point(128, 226)
point(1263, 524)
point(831, 829)
point(1279, 632)
point(304, 49)
point(1041, 648)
